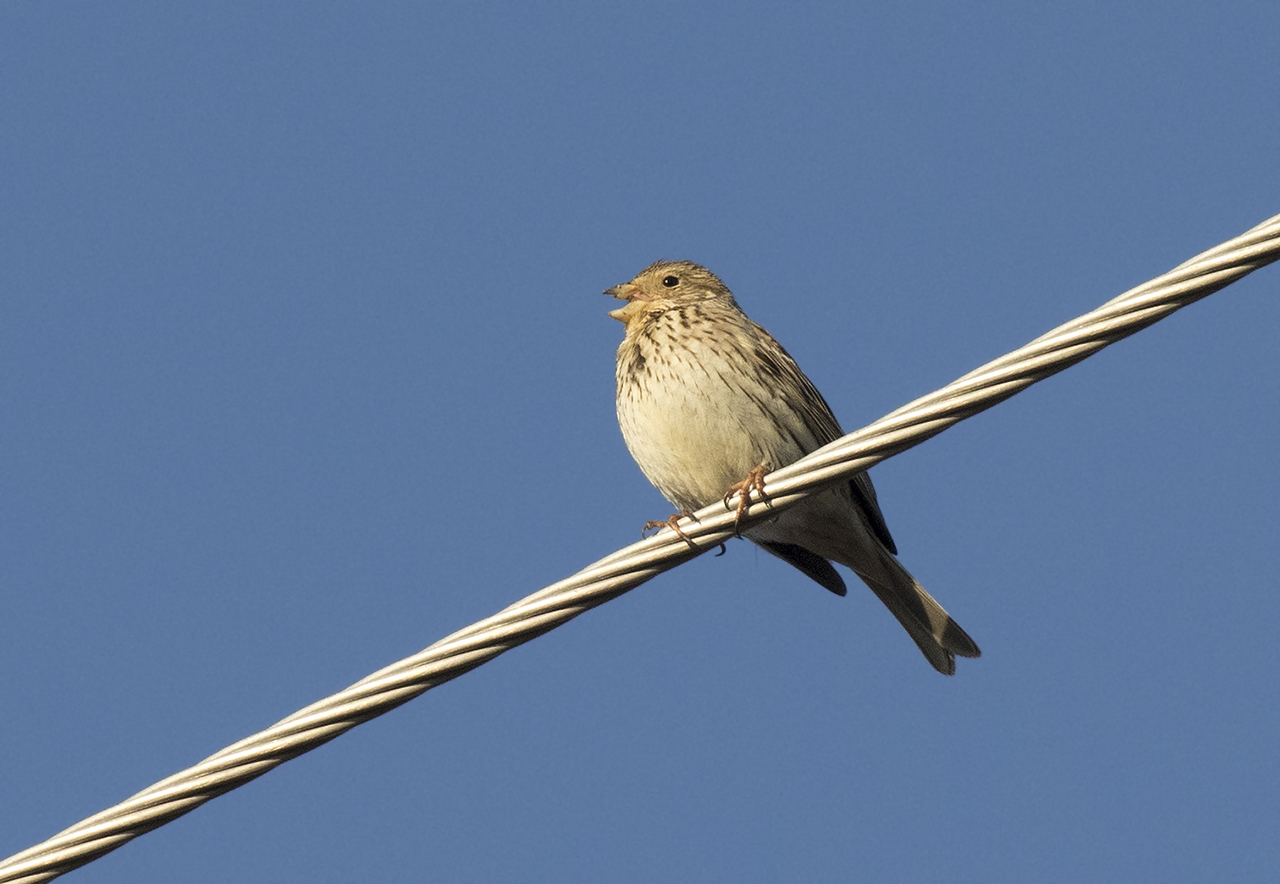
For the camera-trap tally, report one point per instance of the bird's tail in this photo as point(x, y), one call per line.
point(938, 636)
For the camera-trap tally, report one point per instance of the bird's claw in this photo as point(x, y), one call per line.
point(753, 482)
point(674, 524)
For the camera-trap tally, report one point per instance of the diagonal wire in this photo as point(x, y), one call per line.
point(628, 568)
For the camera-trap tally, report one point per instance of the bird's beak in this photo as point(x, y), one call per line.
point(631, 294)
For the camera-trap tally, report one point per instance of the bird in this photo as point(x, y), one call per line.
point(709, 402)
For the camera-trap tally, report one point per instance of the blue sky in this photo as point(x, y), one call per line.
point(304, 364)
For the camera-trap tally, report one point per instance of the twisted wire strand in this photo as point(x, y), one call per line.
point(626, 569)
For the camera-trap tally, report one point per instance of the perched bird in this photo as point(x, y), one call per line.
point(709, 402)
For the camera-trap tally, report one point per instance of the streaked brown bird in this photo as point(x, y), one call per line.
point(709, 402)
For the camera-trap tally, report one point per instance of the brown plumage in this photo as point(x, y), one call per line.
point(706, 396)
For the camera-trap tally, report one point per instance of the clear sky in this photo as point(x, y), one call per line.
point(304, 364)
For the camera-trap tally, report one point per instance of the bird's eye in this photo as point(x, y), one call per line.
point(671, 281)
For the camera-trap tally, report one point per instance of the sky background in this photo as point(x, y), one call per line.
point(304, 365)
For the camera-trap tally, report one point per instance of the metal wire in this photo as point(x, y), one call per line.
point(628, 568)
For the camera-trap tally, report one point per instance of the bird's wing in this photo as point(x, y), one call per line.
point(818, 418)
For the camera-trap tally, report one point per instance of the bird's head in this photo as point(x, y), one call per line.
point(664, 284)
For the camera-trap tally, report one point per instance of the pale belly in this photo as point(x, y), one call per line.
point(696, 436)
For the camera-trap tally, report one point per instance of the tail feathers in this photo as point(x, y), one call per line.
point(939, 637)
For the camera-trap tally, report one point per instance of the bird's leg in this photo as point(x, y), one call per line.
point(753, 482)
point(674, 524)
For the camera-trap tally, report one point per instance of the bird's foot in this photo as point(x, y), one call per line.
point(674, 524)
point(753, 482)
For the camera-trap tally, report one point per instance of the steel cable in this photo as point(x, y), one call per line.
point(628, 568)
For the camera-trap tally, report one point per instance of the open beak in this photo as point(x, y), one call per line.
point(631, 294)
